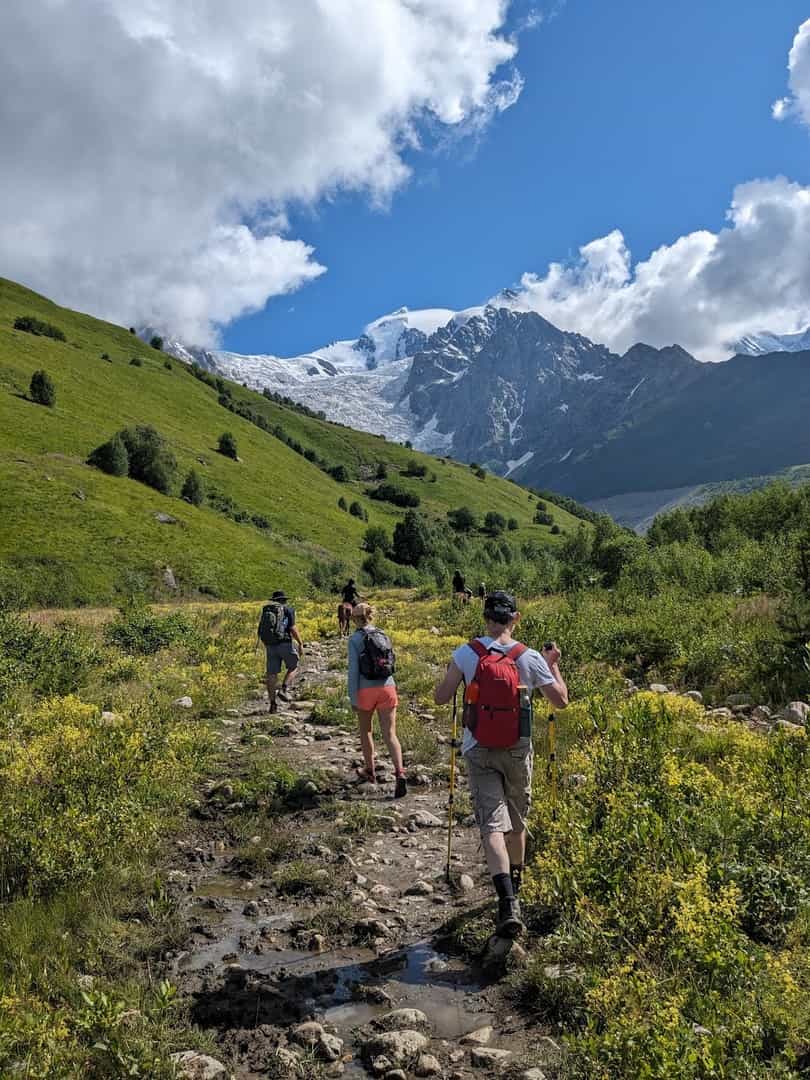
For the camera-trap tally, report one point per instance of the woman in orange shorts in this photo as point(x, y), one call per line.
point(367, 693)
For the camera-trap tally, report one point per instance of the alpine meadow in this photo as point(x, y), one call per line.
point(404, 540)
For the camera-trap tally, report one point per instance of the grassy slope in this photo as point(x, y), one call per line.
point(69, 550)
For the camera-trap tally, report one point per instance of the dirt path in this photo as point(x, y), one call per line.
point(331, 912)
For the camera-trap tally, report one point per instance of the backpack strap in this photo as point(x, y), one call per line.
point(478, 648)
point(517, 650)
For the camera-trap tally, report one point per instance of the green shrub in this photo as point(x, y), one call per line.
point(111, 457)
point(412, 540)
point(382, 471)
point(393, 494)
point(193, 489)
point(58, 662)
point(150, 460)
point(339, 473)
point(42, 390)
point(167, 365)
point(342, 504)
point(31, 325)
point(494, 523)
point(543, 517)
point(375, 537)
point(227, 445)
point(156, 341)
point(414, 468)
point(136, 361)
point(139, 631)
point(356, 510)
point(513, 524)
point(463, 519)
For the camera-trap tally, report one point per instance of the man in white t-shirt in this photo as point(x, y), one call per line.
point(501, 779)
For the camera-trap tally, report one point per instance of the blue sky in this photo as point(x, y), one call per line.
point(635, 115)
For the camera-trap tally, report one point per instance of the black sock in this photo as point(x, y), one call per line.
point(503, 886)
point(516, 874)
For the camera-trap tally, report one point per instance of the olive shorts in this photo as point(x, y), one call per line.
point(501, 786)
point(283, 653)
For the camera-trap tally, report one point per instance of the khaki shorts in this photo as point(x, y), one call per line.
point(501, 786)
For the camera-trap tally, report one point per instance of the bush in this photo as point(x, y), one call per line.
point(342, 504)
point(44, 663)
point(150, 459)
point(156, 341)
point(393, 494)
point(41, 390)
point(356, 510)
point(494, 523)
point(382, 572)
point(111, 457)
point(261, 522)
point(105, 356)
point(555, 530)
point(481, 473)
point(513, 524)
point(137, 630)
point(136, 362)
point(193, 489)
point(167, 365)
point(382, 471)
point(543, 517)
point(339, 473)
point(376, 538)
point(412, 540)
point(463, 519)
point(36, 326)
point(414, 468)
point(227, 446)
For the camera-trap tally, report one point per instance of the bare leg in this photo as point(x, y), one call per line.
point(366, 739)
point(290, 677)
point(516, 846)
point(496, 853)
point(388, 727)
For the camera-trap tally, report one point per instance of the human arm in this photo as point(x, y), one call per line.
point(556, 692)
point(450, 683)
point(354, 669)
point(297, 638)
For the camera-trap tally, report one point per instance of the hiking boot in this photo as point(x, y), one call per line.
point(401, 789)
point(283, 694)
point(509, 924)
point(273, 706)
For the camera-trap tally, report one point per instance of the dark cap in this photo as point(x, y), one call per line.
point(500, 603)
point(279, 596)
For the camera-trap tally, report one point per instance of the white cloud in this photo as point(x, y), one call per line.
point(143, 139)
point(704, 291)
point(798, 103)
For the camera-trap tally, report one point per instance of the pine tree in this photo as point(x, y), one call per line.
point(227, 445)
point(111, 457)
point(42, 390)
point(193, 489)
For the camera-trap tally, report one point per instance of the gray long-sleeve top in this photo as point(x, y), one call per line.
point(357, 681)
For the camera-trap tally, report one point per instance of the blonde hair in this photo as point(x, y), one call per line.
point(363, 614)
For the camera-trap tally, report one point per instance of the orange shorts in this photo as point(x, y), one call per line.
point(377, 697)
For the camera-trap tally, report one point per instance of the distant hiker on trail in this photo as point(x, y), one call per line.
point(277, 632)
point(499, 674)
point(460, 589)
point(372, 687)
point(350, 598)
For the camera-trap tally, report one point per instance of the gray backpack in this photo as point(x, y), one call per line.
point(271, 624)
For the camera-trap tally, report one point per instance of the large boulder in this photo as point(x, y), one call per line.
point(796, 712)
point(399, 1019)
point(400, 1047)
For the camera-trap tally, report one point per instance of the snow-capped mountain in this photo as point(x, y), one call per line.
point(504, 387)
point(760, 344)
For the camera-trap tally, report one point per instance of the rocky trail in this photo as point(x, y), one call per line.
point(325, 942)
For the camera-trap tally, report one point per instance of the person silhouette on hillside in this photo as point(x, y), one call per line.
point(349, 593)
point(500, 674)
point(460, 587)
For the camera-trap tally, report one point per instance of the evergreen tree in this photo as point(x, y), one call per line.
point(42, 390)
point(494, 523)
point(111, 457)
point(376, 538)
point(227, 445)
point(193, 489)
point(150, 459)
point(156, 342)
point(412, 540)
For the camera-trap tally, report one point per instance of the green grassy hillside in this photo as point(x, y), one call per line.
point(70, 534)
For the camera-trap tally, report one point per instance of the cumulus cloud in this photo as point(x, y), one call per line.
point(150, 148)
point(704, 291)
point(798, 103)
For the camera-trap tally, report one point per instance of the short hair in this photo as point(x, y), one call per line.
point(363, 614)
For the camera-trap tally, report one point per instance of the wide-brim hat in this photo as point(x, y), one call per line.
point(280, 596)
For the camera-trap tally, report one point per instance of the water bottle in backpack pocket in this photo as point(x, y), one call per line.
point(377, 660)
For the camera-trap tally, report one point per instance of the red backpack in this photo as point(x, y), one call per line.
point(492, 700)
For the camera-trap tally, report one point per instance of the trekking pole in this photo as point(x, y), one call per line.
point(552, 763)
point(452, 801)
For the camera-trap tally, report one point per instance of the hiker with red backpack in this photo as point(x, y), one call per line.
point(277, 632)
point(372, 688)
point(500, 674)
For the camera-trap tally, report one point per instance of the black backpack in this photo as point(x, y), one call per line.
point(377, 660)
point(271, 624)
